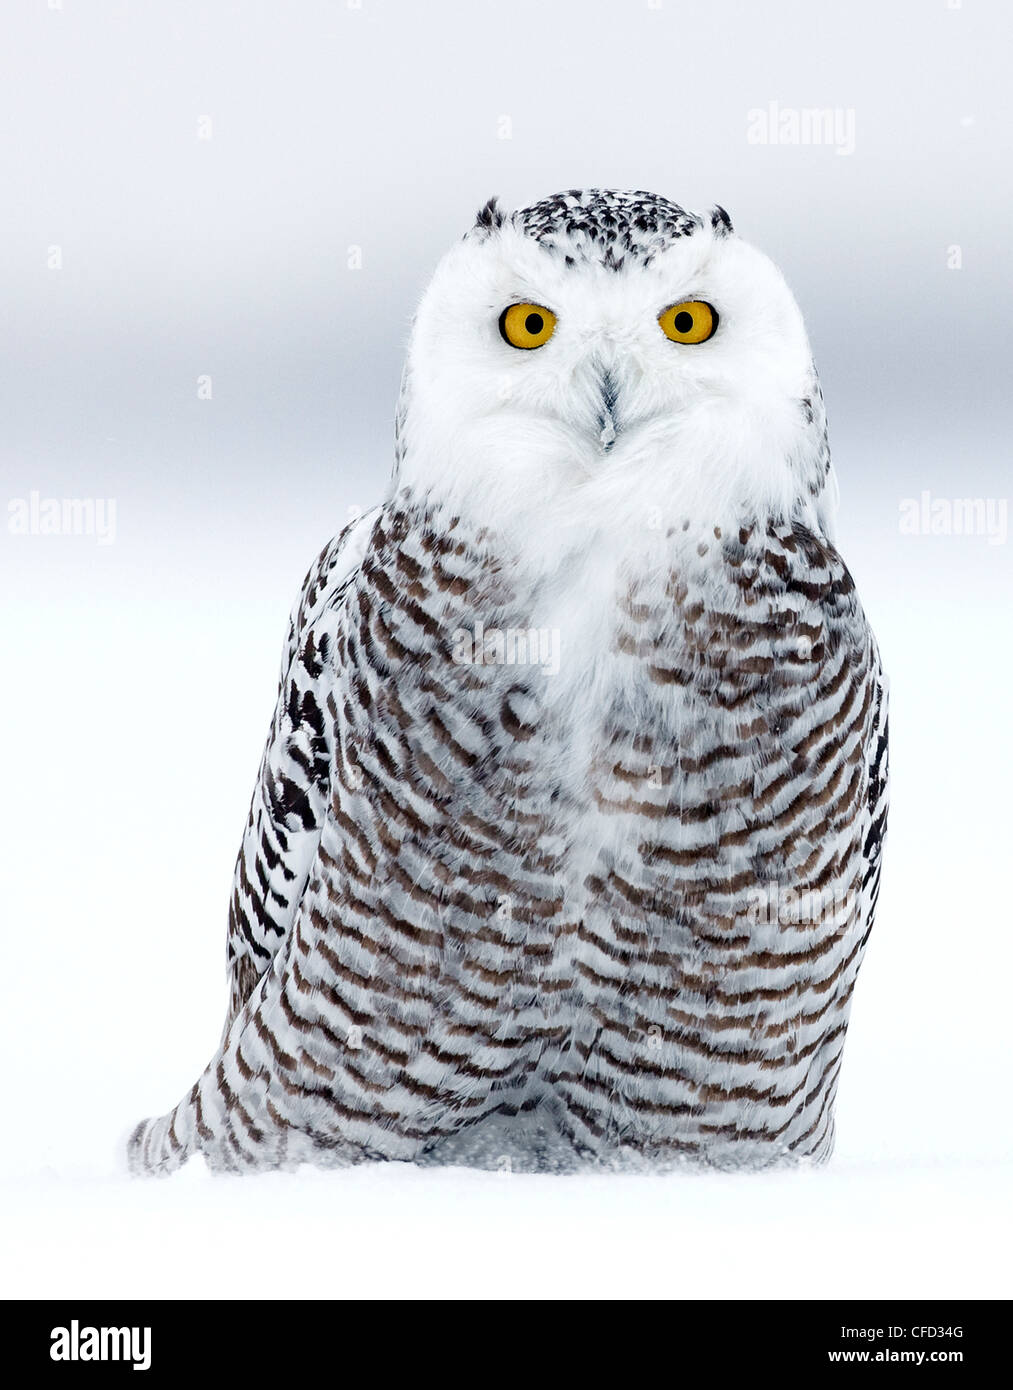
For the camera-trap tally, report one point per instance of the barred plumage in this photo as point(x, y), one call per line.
point(619, 907)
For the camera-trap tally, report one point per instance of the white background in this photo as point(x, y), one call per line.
point(140, 675)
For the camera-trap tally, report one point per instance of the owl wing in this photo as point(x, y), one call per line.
point(854, 681)
point(877, 792)
point(843, 786)
point(293, 785)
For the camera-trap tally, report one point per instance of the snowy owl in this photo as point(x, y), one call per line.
point(566, 840)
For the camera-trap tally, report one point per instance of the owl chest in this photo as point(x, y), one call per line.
point(569, 771)
point(620, 765)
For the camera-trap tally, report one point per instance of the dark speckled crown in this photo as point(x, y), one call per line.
point(603, 225)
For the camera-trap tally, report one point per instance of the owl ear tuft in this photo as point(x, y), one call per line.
point(489, 217)
point(720, 221)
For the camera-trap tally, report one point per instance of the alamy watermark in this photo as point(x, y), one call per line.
point(35, 515)
point(776, 904)
point(775, 124)
point(926, 515)
point(77, 1343)
point(511, 646)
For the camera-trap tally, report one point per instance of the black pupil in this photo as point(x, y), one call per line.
point(683, 322)
point(534, 323)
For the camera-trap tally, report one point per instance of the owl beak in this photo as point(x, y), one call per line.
point(608, 406)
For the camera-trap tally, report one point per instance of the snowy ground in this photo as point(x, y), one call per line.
point(874, 1230)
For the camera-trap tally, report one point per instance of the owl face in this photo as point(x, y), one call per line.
point(601, 358)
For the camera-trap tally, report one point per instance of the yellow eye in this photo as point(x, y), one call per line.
point(527, 325)
point(693, 321)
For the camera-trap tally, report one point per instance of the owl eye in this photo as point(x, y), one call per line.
point(527, 325)
point(692, 321)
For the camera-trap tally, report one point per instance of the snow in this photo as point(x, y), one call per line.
point(393, 1231)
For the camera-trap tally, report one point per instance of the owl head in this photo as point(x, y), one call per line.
point(607, 364)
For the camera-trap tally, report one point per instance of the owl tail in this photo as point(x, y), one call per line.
point(159, 1146)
